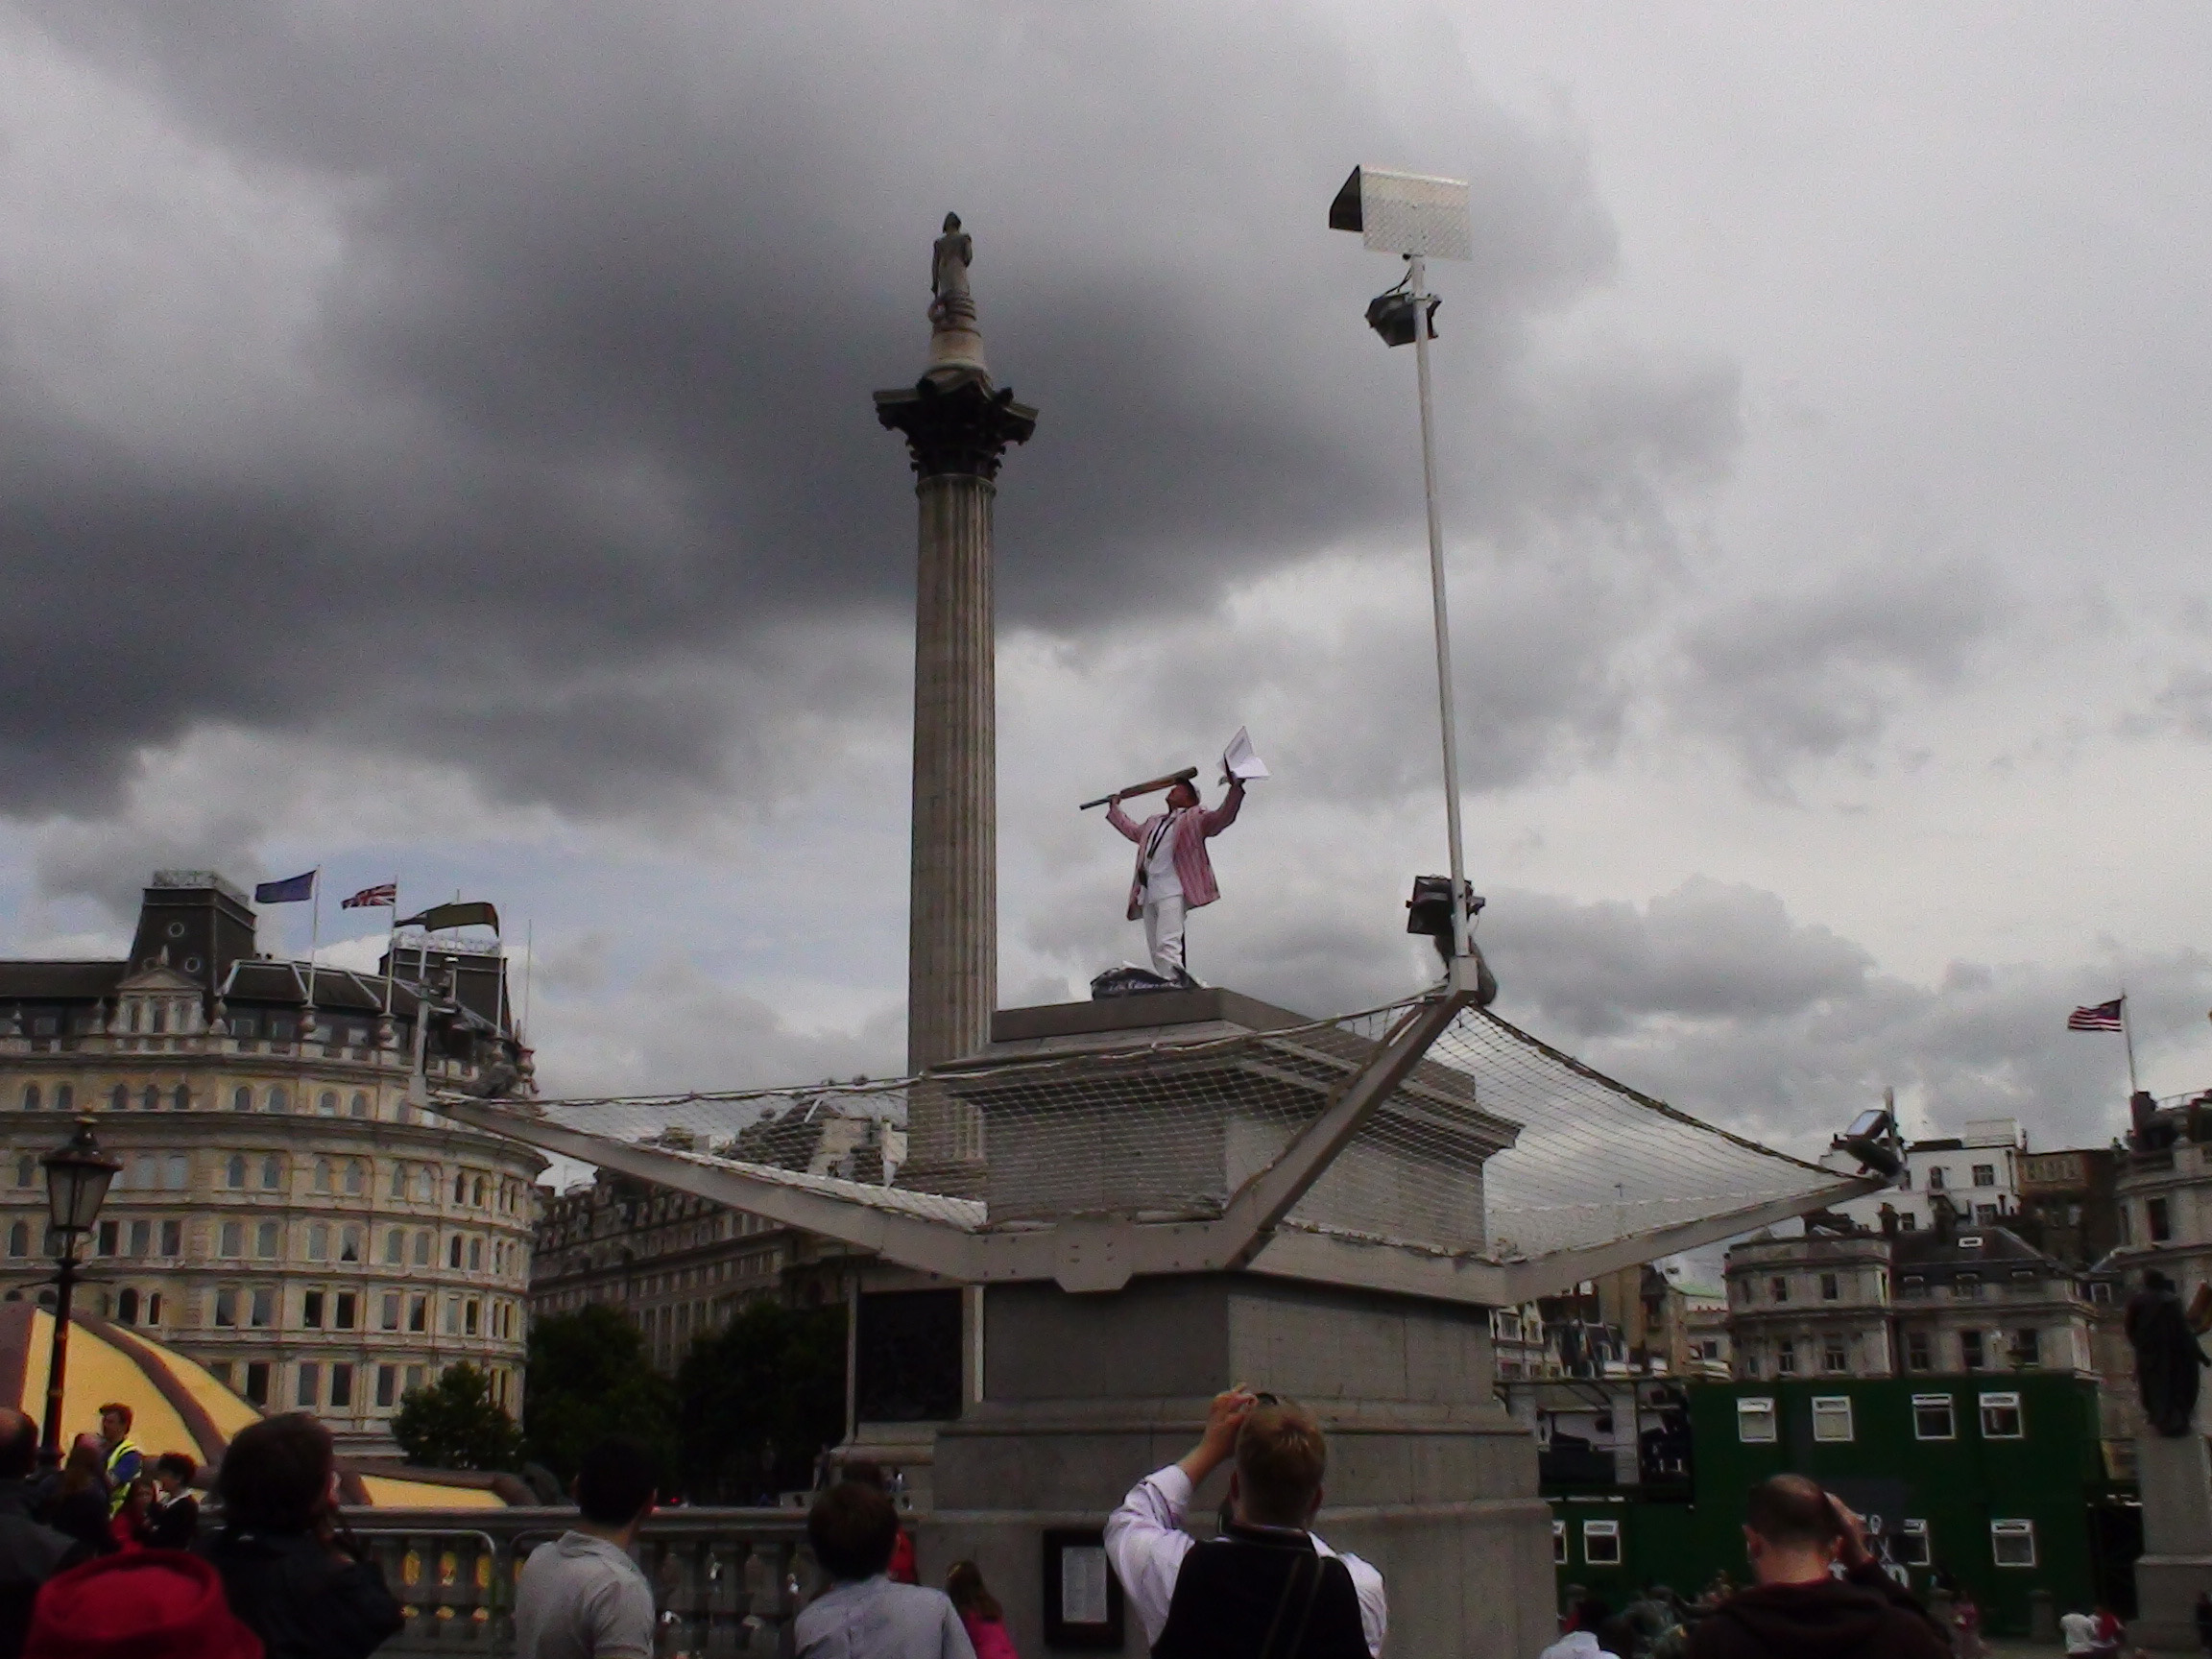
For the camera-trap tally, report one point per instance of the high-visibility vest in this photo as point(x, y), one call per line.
point(120, 1489)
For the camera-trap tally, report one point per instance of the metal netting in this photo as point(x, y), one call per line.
point(1495, 1145)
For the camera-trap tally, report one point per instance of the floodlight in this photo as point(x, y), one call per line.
point(1872, 1140)
point(1394, 316)
point(1406, 213)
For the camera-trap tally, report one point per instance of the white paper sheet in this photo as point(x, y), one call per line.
point(1238, 759)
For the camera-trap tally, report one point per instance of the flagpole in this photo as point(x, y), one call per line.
point(2127, 1040)
point(392, 948)
point(314, 934)
point(529, 962)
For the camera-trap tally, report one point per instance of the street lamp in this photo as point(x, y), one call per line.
point(1419, 218)
point(77, 1180)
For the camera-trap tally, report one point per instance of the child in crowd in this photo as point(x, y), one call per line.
point(980, 1614)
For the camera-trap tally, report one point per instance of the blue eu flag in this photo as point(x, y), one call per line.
point(291, 890)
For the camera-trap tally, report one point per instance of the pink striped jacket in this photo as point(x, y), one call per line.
point(1192, 867)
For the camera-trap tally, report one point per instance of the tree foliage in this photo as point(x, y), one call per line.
point(759, 1399)
point(454, 1424)
point(589, 1377)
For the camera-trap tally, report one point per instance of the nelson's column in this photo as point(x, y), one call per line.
point(957, 425)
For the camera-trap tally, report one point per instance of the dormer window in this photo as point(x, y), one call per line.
point(1969, 1240)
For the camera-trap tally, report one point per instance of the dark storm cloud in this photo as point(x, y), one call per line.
point(589, 425)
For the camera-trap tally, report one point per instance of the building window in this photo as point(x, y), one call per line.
point(2001, 1418)
point(257, 1382)
point(1967, 1285)
point(311, 1309)
point(1778, 1289)
point(359, 1104)
point(1913, 1285)
point(345, 1305)
point(2099, 1291)
point(460, 1188)
point(322, 1174)
point(349, 1243)
point(1835, 1357)
point(388, 1389)
point(425, 1185)
point(1933, 1418)
point(1935, 1179)
point(265, 1241)
point(1755, 1419)
point(415, 1376)
point(2012, 1543)
point(233, 1239)
point(1830, 1289)
point(1911, 1548)
point(119, 1099)
point(417, 1315)
point(271, 1173)
point(470, 1315)
point(477, 1192)
point(341, 1385)
point(1832, 1417)
point(1785, 1357)
point(234, 1171)
point(310, 1386)
point(2160, 1220)
point(19, 1238)
point(399, 1181)
point(475, 1255)
point(1970, 1356)
point(1984, 1174)
point(453, 1251)
point(356, 1178)
point(318, 1241)
point(277, 1100)
point(26, 1171)
point(423, 1249)
point(1559, 1543)
point(327, 1104)
point(1908, 1222)
point(127, 1305)
point(226, 1309)
point(109, 1237)
point(1602, 1543)
point(452, 1315)
point(389, 1319)
point(30, 1096)
point(263, 1311)
point(2027, 1346)
point(394, 1247)
point(177, 1172)
point(141, 1238)
point(242, 1099)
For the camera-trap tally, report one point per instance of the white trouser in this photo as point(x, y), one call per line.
point(1164, 935)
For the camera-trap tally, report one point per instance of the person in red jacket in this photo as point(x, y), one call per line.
point(1792, 1533)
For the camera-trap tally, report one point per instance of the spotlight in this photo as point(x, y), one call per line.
point(1395, 316)
point(1872, 1140)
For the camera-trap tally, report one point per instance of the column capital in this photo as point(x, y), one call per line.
point(955, 422)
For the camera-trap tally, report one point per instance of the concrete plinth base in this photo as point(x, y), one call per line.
point(1428, 1477)
point(2174, 1476)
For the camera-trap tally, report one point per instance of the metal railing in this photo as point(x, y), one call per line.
point(726, 1583)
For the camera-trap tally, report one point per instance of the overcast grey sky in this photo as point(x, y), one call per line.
point(436, 440)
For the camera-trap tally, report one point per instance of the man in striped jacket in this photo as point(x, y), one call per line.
point(1174, 877)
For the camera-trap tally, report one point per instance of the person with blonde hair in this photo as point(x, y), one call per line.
point(1267, 1585)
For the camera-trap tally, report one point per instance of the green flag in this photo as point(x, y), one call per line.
point(439, 917)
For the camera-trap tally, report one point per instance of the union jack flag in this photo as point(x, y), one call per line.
point(370, 897)
point(2103, 1016)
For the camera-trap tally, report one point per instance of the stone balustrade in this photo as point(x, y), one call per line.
point(727, 1581)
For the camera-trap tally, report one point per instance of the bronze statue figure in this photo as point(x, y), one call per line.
point(2167, 1357)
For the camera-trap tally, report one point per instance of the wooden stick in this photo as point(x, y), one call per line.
point(1167, 783)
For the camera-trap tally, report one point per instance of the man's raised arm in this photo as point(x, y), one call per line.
point(1122, 820)
point(1218, 818)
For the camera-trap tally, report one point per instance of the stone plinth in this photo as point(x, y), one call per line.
point(1428, 1477)
point(2175, 1477)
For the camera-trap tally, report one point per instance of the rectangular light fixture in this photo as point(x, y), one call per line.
point(1406, 213)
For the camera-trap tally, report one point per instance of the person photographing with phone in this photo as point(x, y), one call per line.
point(1266, 1587)
point(1794, 1533)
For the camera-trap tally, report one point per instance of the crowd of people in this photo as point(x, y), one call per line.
point(107, 1556)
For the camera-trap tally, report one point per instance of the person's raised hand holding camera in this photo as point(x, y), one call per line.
point(1218, 1444)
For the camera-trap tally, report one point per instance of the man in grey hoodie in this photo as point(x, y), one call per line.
point(582, 1597)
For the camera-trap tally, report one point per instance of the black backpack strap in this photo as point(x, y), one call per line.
point(1306, 1576)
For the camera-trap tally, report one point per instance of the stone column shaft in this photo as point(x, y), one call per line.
point(953, 927)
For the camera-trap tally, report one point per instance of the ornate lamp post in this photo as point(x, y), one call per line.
point(77, 1179)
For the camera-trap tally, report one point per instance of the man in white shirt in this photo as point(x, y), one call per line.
point(582, 1597)
point(1174, 875)
point(1274, 1492)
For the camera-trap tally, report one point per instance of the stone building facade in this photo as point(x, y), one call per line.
point(1961, 1297)
point(679, 1266)
point(283, 1215)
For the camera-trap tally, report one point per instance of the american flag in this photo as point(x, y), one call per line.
point(2103, 1016)
point(370, 897)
